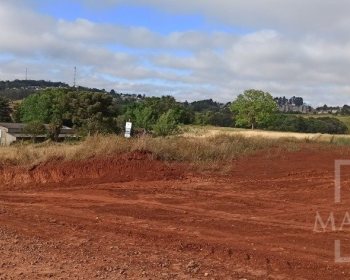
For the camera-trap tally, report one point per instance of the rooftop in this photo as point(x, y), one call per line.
point(19, 127)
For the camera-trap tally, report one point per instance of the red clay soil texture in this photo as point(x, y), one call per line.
point(135, 217)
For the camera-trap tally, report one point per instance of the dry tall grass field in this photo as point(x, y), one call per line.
point(208, 131)
point(216, 147)
point(195, 145)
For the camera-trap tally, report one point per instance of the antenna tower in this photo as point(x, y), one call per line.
point(75, 76)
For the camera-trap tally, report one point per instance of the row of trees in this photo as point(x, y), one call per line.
point(258, 109)
point(85, 111)
point(92, 112)
point(161, 115)
point(99, 112)
point(308, 125)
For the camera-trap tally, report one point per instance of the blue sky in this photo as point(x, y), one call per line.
point(124, 15)
point(193, 49)
point(163, 22)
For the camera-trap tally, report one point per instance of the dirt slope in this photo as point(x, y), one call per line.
point(138, 165)
point(133, 217)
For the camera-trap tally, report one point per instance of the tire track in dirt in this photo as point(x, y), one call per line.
point(245, 225)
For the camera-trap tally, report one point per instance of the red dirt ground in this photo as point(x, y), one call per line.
point(134, 217)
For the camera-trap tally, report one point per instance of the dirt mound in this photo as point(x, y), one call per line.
point(139, 165)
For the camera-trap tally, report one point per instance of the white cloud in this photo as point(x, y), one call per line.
point(294, 50)
point(312, 16)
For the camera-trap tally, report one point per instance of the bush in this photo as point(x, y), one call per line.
point(166, 124)
point(308, 125)
point(35, 129)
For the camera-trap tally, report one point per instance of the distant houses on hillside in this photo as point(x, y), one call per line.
point(296, 105)
point(293, 105)
point(331, 110)
point(292, 108)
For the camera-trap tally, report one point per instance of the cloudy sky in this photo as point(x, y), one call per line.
point(192, 49)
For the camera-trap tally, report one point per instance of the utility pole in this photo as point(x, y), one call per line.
point(75, 76)
point(26, 74)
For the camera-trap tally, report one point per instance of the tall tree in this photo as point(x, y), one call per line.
point(5, 110)
point(145, 114)
point(87, 112)
point(34, 129)
point(254, 108)
point(93, 112)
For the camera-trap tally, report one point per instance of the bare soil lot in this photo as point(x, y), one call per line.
point(134, 217)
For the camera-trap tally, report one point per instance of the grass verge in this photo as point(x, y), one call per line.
point(194, 150)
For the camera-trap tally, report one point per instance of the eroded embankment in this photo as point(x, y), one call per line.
point(139, 165)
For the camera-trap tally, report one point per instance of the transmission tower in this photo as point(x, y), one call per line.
point(75, 76)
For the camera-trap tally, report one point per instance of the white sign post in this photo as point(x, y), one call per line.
point(128, 127)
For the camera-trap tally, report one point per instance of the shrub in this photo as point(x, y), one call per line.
point(166, 124)
point(34, 129)
point(309, 125)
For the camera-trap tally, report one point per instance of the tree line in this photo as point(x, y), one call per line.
point(90, 112)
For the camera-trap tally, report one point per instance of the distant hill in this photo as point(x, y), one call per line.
point(22, 84)
point(20, 89)
point(206, 105)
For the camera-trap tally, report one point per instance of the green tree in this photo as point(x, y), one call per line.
point(144, 117)
point(16, 113)
point(254, 108)
point(166, 124)
point(87, 112)
point(5, 110)
point(44, 106)
point(93, 112)
point(34, 129)
point(145, 114)
point(49, 106)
